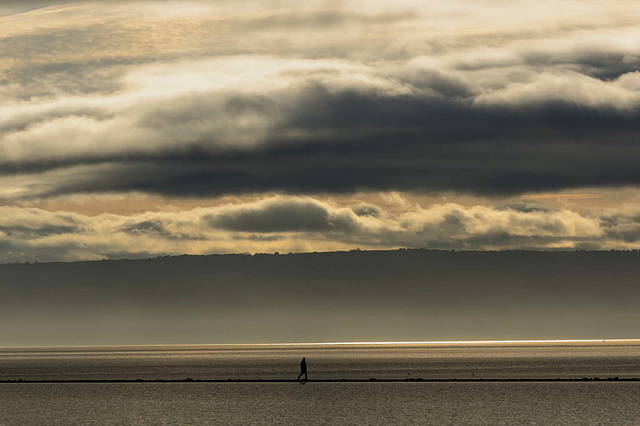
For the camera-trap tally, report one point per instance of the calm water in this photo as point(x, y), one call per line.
point(322, 403)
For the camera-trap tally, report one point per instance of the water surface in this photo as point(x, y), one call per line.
point(602, 402)
point(399, 361)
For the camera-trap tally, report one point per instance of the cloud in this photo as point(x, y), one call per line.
point(284, 215)
point(299, 224)
point(364, 209)
point(622, 226)
point(11, 7)
point(170, 101)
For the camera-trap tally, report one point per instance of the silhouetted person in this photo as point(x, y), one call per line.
point(303, 369)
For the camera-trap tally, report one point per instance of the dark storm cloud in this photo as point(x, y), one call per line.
point(284, 215)
point(399, 143)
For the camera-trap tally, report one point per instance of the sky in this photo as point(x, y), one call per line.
point(139, 129)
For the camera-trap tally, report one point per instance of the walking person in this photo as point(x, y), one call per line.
point(303, 369)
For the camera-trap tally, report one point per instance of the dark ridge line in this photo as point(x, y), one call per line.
point(371, 380)
point(624, 252)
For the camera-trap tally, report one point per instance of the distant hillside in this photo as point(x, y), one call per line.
point(368, 295)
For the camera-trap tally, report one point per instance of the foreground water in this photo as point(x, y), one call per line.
point(604, 402)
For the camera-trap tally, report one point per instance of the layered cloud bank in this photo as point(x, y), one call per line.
point(218, 97)
point(298, 224)
point(213, 98)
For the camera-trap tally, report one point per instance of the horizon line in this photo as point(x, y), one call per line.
point(346, 343)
